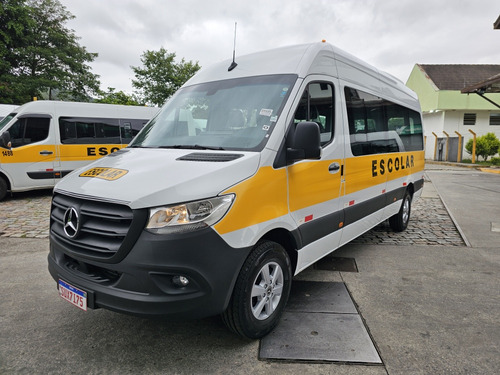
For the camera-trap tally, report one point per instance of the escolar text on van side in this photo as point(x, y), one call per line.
point(392, 164)
point(92, 151)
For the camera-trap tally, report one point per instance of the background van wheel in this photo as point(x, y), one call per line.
point(399, 222)
point(3, 188)
point(261, 291)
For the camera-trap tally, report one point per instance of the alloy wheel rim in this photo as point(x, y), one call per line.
point(267, 289)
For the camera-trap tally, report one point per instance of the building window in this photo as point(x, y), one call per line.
point(494, 118)
point(469, 119)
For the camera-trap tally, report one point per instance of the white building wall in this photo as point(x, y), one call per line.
point(451, 121)
point(433, 122)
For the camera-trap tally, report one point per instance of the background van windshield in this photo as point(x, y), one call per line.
point(6, 119)
point(236, 114)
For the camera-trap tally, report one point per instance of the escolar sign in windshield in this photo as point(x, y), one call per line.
point(109, 174)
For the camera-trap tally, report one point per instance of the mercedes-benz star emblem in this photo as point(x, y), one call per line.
point(71, 222)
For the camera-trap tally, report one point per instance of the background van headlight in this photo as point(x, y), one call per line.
point(188, 216)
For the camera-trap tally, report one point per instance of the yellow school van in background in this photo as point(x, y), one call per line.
point(42, 141)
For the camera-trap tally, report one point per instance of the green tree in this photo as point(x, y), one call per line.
point(15, 21)
point(160, 77)
point(117, 97)
point(44, 55)
point(486, 145)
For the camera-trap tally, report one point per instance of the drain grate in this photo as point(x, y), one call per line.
point(337, 264)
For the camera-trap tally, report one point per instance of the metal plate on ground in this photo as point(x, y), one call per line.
point(337, 264)
point(320, 323)
point(312, 296)
point(320, 337)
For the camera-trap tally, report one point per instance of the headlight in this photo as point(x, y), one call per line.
point(188, 216)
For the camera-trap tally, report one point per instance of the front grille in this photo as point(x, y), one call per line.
point(104, 228)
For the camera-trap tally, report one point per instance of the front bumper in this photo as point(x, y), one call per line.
point(142, 282)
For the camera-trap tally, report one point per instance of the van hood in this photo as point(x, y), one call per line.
point(154, 177)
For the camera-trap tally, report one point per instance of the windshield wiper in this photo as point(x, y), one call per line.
point(193, 147)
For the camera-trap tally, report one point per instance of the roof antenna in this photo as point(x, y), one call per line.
point(233, 64)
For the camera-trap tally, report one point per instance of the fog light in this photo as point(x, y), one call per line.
point(180, 280)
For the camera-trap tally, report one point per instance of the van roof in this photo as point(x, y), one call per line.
point(86, 109)
point(306, 59)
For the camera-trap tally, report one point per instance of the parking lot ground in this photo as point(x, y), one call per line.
point(428, 308)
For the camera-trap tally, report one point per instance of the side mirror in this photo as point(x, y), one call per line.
point(5, 140)
point(305, 142)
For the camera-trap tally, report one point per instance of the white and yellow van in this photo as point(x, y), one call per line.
point(246, 177)
point(42, 141)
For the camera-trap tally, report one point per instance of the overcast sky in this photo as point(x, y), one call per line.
point(393, 35)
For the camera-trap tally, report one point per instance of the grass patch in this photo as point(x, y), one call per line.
point(487, 163)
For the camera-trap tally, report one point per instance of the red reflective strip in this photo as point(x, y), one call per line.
point(351, 203)
point(308, 218)
point(49, 170)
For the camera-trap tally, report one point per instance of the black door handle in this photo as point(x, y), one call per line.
point(46, 152)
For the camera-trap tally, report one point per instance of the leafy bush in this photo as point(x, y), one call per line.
point(486, 145)
point(495, 161)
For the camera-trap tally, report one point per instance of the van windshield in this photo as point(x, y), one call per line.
point(236, 114)
point(6, 119)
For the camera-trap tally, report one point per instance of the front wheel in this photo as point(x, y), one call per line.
point(261, 292)
point(399, 222)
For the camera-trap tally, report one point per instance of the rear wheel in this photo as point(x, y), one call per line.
point(399, 222)
point(261, 292)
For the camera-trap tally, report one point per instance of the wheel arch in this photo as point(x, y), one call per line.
point(4, 177)
point(411, 189)
point(286, 239)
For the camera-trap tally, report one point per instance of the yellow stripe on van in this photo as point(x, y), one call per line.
point(87, 152)
point(263, 197)
point(260, 198)
point(311, 183)
point(28, 154)
point(362, 172)
point(31, 153)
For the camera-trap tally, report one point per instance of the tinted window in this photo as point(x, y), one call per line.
point(29, 130)
point(130, 128)
point(379, 126)
point(89, 130)
point(317, 105)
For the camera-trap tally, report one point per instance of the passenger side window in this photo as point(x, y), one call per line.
point(29, 130)
point(129, 129)
point(379, 126)
point(317, 105)
point(74, 130)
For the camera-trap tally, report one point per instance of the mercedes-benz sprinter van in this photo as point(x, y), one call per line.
point(249, 174)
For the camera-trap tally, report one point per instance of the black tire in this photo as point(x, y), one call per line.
point(3, 188)
point(399, 222)
point(267, 274)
